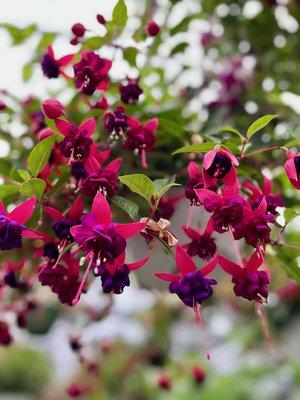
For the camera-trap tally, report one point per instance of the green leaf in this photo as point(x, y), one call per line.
point(140, 184)
point(27, 72)
point(130, 54)
point(24, 174)
point(161, 186)
point(119, 19)
point(195, 147)
point(7, 190)
point(46, 40)
point(259, 124)
point(33, 186)
point(19, 35)
point(232, 130)
point(93, 43)
point(289, 214)
point(179, 48)
point(128, 206)
point(40, 154)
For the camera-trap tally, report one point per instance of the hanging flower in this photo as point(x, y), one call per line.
point(53, 67)
point(202, 244)
point(292, 168)
point(195, 181)
point(130, 91)
point(190, 285)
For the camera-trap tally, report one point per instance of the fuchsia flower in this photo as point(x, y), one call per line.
point(101, 240)
point(227, 208)
point(254, 226)
point(98, 178)
point(114, 277)
point(195, 182)
point(190, 284)
point(219, 164)
point(10, 275)
point(116, 123)
point(77, 140)
point(140, 138)
point(62, 276)
point(130, 91)
point(166, 207)
point(63, 222)
point(53, 67)
point(202, 244)
point(248, 281)
point(257, 194)
point(5, 336)
point(12, 226)
point(153, 28)
point(91, 73)
point(292, 168)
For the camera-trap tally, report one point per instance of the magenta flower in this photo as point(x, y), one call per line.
point(254, 226)
point(5, 335)
point(202, 244)
point(166, 207)
point(190, 284)
point(195, 182)
point(77, 140)
point(130, 91)
point(292, 168)
point(63, 222)
point(257, 194)
point(116, 123)
point(227, 208)
point(53, 67)
point(114, 277)
point(101, 240)
point(12, 226)
point(248, 281)
point(102, 179)
point(10, 275)
point(91, 73)
point(219, 164)
point(140, 138)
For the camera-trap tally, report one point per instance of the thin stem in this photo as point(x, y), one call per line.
point(253, 153)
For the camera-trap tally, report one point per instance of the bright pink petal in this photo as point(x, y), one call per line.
point(130, 230)
point(231, 179)
point(120, 259)
point(31, 235)
point(152, 125)
point(75, 212)
point(74, 230)
point(290, 169)
point(168, 277)
point(231, 157)
point(267, 186)
point(255, 261)
point(209, 158)
point(65, 60)
point(185, 263)
point(133, 123)
point(138, 264)
point(205, 194)
point(91, 165)
point(63, 126)
point(53, 213)
point(115, 165)
point(209, 267)
point(89, 126)
point(50, 51)
point(193, 170)
point(208, 180)
point(190, 232)
point(229, 266)
point(23, 212)
point(262, 208)
point(253, 189)
point(101, 209)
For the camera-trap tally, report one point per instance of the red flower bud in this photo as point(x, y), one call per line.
point(101, 19)
point(52, 108)
point(164, 381)
point(153, 28)
point(74, 41)
point(78, 29)
point(2, 105)
point(198, 374)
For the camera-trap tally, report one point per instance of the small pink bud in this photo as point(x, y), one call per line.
point(74, 41)
point(153, 28)
point(78, 29)
point(164, 381)
point(101, 19)
point(52, 108)
point(198, 374)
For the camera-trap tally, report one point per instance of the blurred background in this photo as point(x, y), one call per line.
point(215, 63)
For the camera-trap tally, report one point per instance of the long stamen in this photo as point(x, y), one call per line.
point(84, 278)
point(264, 323)
point(200, 323)
point(144, 159)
